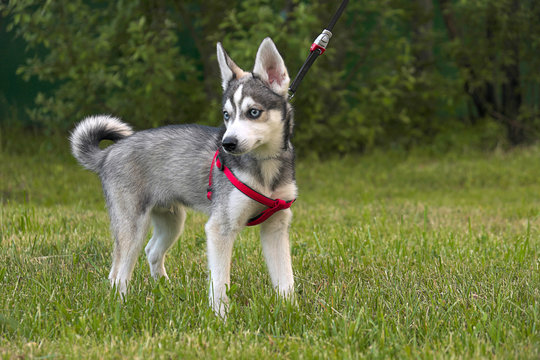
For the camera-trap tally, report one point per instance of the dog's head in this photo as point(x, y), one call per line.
point(256, 111)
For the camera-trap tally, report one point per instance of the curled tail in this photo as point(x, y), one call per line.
point(88, 133)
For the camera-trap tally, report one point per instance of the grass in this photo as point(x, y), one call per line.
point(408, 256)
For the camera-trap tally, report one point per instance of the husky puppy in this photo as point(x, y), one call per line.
point(152, 175)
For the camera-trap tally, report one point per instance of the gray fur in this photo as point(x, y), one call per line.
point(151, 175)
point(89, 133)
point(167, 165)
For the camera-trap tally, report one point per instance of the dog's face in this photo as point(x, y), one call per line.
point(255, 107)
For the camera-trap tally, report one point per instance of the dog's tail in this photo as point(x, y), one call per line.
point(87, 135)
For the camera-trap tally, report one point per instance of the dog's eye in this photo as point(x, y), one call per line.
point(226, 116)
point(254, 113)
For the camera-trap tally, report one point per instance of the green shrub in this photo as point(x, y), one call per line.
point(394, 74)
point(120, 57)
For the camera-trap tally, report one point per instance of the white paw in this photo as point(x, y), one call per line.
point(220, 306)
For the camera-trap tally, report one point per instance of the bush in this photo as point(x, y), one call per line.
point(392, 75)
point(117, 57)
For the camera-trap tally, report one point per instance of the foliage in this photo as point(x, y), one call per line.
point(359, 94)
point(116, 57)
point(393, 97)
point(395, 256)
point(397, 73)
point(495, 45)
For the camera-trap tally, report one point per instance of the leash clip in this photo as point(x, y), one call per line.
point(321, 42)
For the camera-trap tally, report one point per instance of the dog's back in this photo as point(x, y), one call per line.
point(156, 167)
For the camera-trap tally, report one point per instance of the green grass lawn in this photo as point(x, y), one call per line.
point(409, 256)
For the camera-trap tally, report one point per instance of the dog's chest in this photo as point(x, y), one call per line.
point(264, 179)
point(269, 172)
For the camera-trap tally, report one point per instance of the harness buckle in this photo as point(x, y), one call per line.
point(280, 204)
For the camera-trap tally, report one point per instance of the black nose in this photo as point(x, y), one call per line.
point(229, 143)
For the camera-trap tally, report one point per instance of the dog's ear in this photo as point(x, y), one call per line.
point(269, 66)
point(229, 70)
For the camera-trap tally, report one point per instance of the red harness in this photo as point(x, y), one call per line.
point(274, 205)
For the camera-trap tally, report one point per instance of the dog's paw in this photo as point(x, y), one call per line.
point(220, 307)
point(119, 288)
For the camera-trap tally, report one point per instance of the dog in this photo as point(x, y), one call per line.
point(154, 174)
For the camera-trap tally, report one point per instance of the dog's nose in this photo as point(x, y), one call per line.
point(229, 143)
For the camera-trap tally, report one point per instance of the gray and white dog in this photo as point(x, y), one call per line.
point(154, 174)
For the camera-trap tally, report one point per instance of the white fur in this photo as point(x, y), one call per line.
point(247, 103)
point(274, 238)
point(228, 107)
point(226, 72)
point(269, 170)
point(275, 243)
point(237, 97)
point(168, 225)
point(105, 121)
point(263, 136)
point(219, 247)
point(287, 191)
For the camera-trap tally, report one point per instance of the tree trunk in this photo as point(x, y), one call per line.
point(491, 28)
point(483, 95)
point(511, 88)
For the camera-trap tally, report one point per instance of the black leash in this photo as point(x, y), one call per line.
point(317, 48)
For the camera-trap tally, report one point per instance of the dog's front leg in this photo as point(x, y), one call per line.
point(219, 244)
point(275, 244)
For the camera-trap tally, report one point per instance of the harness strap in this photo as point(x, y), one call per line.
point(209, 191)
point(274, 205)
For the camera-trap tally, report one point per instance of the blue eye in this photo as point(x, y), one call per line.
point(226, 116)
point(254, 113)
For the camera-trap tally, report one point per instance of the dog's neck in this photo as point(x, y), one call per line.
point(268, 164)
point(264, 169)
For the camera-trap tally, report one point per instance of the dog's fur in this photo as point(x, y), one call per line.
point(152, 175)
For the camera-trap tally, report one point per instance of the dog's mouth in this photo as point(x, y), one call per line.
point(234, 152)
point(239, 147)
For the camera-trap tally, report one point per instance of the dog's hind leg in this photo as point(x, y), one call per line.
point(168, 225)
point(275, 244)
point(129, 232)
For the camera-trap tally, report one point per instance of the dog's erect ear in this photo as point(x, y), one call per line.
point(269, 66)
point(229, 70)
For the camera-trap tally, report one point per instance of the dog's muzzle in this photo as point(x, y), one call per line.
point(229, 144)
